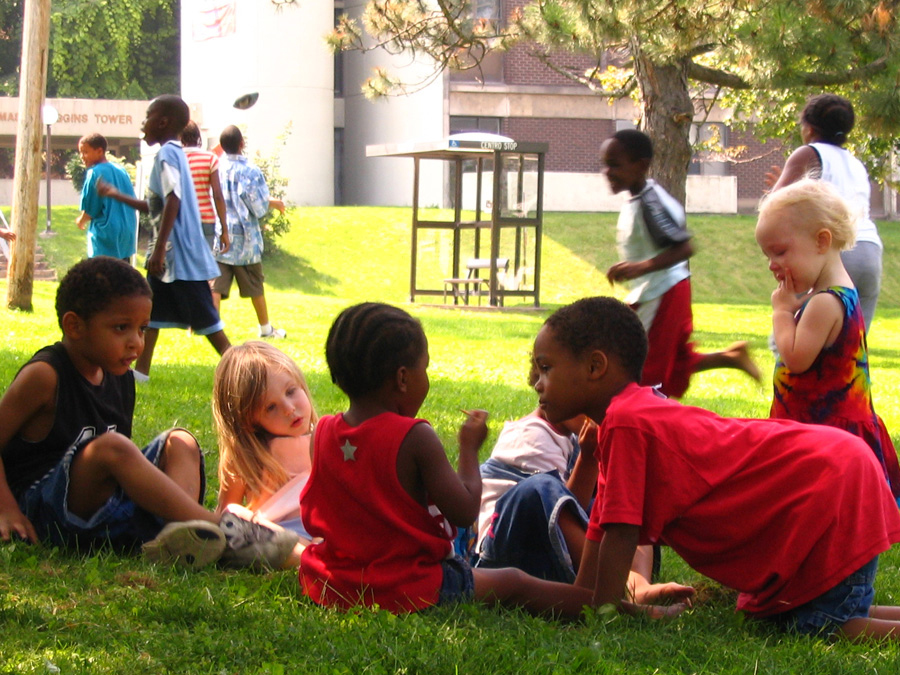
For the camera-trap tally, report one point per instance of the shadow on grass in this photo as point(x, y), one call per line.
point(288, 271)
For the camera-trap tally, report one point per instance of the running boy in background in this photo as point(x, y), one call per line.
point(792, 515)
point(179, 263)
point(246, 201)
point(70, 474)
point(654, 246)
point(205, 174)
point(111, 225)
point(384, 497)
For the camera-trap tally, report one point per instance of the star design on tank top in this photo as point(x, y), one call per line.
point(348, 451)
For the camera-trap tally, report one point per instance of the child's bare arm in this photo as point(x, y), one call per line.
point(625, 270)
point(800, 342)
point(583, 479)
point(231, 491)
point(426, 473)
point(107, 190)
point(156, 264)
point(219, 201)
point(26, 408)
point(803, 160)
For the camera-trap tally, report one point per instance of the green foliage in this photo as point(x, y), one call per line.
point(76, 171)
point(10, 46)
point(126, 49)
point(274, 224)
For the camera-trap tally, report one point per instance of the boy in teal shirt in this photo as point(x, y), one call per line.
point(111, 225)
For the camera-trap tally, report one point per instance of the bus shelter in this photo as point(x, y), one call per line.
point(496, 191)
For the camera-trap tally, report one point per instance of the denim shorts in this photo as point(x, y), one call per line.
point(119, 523)
point(459, 582)
point(824, 616)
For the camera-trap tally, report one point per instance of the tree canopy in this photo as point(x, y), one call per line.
point(761, 58)
point(127, 49)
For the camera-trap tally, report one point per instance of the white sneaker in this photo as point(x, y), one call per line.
point(251, 544)
point(190, 543)
point(275, 333)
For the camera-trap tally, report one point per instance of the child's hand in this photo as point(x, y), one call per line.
point(473, 431)
point(9, 235)
point(785, 297)
point(624, 270)
point(653, 611)
point(667, 592)
point(14, 522)
point(771, 177)
point(277, 204)
point(156, 263)
point(587, 437)
point(105, 189)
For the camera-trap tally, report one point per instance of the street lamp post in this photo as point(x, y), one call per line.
point(49, 116)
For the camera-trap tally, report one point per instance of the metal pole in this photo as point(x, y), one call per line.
point(47, 231)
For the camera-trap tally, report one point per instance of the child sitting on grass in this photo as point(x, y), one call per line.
point(71, 475)
point(383, 495)
point(264, 417)
point(792, 515)
point(822, 367)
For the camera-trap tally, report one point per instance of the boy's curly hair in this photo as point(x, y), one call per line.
point(602, 323)
point(368, 343)
point(93, 284)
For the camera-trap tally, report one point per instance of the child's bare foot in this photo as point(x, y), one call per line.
point(740, 356)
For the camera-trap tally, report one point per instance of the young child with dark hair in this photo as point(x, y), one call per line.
point(383, 495)
point(792, 515)
point(179, 263)
point(111, 225)
point(70, 474)
point(654, 246)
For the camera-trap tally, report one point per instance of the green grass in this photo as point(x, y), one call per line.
point(111, 614)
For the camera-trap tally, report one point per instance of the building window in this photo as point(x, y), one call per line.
point(710, 140)
point(338, 57)
point(491, 67)
point(460, 124)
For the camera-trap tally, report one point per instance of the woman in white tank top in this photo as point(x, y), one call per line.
point(824, 124)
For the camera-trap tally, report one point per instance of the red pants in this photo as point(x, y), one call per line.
point(671, 359)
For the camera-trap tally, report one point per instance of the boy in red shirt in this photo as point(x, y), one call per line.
point(793, 516)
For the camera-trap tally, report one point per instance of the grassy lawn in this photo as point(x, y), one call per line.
point(108, 614)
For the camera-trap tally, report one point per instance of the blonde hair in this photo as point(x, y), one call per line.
point(238, 389)
point(815, 204)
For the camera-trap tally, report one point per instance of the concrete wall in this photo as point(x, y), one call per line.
point(279, 52)
point(590, 192)
point(417, 116)
point(61, 193)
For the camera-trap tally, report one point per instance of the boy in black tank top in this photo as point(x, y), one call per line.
point(69, 472)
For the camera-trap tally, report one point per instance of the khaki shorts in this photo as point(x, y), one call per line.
point(249, 280)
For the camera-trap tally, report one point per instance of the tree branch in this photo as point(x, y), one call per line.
point(722, 78)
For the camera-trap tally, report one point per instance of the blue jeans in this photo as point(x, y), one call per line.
point(458, 584)
point(525, 529)
point(850, 599)
point(119, 522)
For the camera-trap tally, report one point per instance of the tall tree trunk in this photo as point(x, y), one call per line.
point(26, 185)
point(667, 112)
